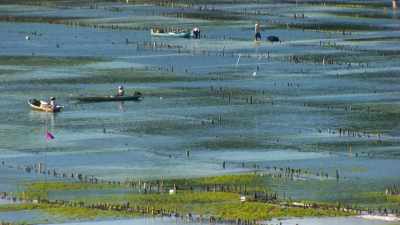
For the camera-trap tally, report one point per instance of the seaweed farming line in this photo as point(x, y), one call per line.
point(142, 186)
point(140, 209)
point(345, 132)
point(267, 55)
point(147, 187)
point(163, 186)
point(344, 28)
point(151, 210)
point(286, 173)
point(41, 168)
point(212, 13)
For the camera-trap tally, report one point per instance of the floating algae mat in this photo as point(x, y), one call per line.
point(310, 120)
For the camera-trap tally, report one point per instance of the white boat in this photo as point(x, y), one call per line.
point(170, 34)
point(43, 106)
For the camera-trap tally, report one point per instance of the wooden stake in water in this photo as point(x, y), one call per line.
point(238, 60)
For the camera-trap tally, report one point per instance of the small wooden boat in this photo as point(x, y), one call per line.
point(136, 97)
point(170, 34)
point(43, 106)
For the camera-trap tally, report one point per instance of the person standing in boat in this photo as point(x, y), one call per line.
point(257, 31)
point(52, 102)
point(196, 33)
point(121, 91)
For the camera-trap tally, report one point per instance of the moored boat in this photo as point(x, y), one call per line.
point(43, 106)
point(160, 33)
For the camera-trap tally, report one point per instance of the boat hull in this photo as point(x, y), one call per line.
point(172, 34)
point(109, 98)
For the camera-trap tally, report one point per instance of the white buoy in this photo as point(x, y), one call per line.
point(254, 73)
point(27, 38)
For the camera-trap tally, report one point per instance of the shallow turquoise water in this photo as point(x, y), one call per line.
point(303, 104)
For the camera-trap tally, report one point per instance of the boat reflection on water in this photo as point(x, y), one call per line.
point(47, 119)
point(121, 106)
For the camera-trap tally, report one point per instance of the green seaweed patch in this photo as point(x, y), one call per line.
point(47, 61)
point(231, 179)
point(226, 206)
point(359, 169)
point(261, 211)
point(61, 186)
point(69, 212)
point(233, 183)
point(182, 201)
point(40, 190)
point(18, 207)
point(223, 205)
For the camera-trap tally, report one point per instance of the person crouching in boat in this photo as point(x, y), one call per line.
point(121, 91)
point(257, 31)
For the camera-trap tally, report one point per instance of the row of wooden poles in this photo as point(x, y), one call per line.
point(142, 186)
point(261, 196)
point(161, 186)
point(154, 45)
point(145, 209)
point(260, 56)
